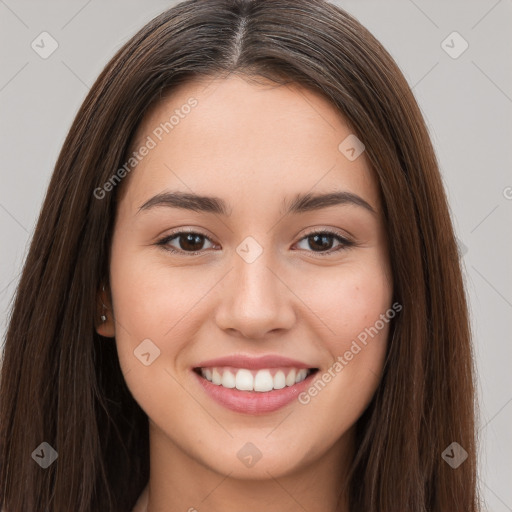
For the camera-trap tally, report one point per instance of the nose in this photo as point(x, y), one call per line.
point(254, 299)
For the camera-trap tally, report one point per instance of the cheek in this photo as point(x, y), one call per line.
point(148, 296)
point(156, 302)
point(137, 311)
point(150, 310)
point(349, 299)
point(354, 307)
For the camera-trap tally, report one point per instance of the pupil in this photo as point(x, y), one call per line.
point(190, 240)
point(326, 240)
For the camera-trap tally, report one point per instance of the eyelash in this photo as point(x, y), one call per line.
point(344, 243)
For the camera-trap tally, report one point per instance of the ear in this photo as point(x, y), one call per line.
point(104, 327)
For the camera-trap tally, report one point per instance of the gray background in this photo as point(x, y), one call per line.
point(467, 103)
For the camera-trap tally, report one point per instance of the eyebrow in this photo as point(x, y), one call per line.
point(301, 203)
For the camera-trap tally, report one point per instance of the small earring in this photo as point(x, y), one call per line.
point(103, 316)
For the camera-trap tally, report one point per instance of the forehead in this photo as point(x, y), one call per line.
point(246, 141)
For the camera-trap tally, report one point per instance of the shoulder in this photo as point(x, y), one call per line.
point(142, 502)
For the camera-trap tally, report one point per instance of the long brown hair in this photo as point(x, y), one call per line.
point(61, 382)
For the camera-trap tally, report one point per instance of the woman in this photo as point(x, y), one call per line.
point(243, 290)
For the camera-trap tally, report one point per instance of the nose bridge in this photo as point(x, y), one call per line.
point(256, 300)
point(254, 280)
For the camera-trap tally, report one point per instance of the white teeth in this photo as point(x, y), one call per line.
point(263, 381)
point(216, 376)
point(290, 378)
point(244, 380)
point(228, 380)
point(279, 380)
point(247, 380)
point(301, 375)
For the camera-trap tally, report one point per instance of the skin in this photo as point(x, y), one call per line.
point(252, 145)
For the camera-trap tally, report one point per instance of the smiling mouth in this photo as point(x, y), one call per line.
point(263, 380)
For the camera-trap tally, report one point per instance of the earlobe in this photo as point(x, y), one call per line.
point(106, 328)
point(104, 321)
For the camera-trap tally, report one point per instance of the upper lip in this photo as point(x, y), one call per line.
point(253, 363)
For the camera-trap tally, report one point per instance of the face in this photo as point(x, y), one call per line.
point(220, 305)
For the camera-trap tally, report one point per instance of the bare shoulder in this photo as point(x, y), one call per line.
point(142, 502)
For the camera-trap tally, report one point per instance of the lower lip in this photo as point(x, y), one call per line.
point(254, 402)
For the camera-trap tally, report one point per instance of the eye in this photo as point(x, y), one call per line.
point(192, 243)
point(189, 242)
point(322, 242)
